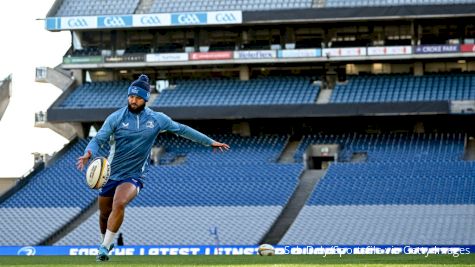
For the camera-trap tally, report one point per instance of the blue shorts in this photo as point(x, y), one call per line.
point(108, 190)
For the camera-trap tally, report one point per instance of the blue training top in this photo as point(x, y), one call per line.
point(131, 137)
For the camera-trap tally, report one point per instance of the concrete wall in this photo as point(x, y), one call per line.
point(6, 184)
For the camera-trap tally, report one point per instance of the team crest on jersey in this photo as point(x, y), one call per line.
point(149, 124)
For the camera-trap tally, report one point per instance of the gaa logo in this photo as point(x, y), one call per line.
point(114, 22)
point(26, 251)
point(189, 19)
point(225, 17)
point(77, 23)
point(150, 20)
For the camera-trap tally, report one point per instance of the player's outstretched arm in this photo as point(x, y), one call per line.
point(82, 161)
point(221, 146)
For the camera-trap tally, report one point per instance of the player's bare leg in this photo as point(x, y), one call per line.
point(124, 193)
point(105, 209)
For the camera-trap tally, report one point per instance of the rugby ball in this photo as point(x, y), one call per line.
point(98, 173)
point(266, 250)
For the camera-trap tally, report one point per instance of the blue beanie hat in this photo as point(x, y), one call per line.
point(140, 87)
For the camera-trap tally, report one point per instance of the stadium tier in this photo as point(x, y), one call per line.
point(398, 88)
point(383, 224)
point(283, 90)
point(412, 189)
point(71, 8)
point(242, 195)
point(272, 90)
point(97, 94)
point(50, 200)
point(200, 5)
point(395, 147)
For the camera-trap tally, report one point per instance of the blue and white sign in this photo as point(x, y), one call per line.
point(151, 20)
point(225, 17)
point(294, 53)
point(26, 251)
point(437, 49)
point(189, 18)
point(114, 21)
point(53, 24)
point(143, 20)
point(454, 250)
point(78, 23)
point(70, 23)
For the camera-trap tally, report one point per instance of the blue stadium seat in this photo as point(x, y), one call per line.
point(221, 92)
point(404, 88)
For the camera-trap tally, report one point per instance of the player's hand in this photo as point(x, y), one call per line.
point(221, 146)
point(82, 161)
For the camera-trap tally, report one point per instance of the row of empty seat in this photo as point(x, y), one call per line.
point(185, 200)
point(209, 190)
point(97, 95)
point(211, 5)
point(397, 196)
point(383, 225)
point(71, 8)
point(252, 150)
point(281, 91)
point(391, 147)
point(50, 200)
point(187, 225)
point(276, 90)
point(424, 183)
point(405, 88)
point(412, 189)
point(273, 90)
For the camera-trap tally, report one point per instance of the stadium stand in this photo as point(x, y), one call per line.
point(275, 90)
point(185, 201)
point(270, 90)
point(408, 179)
point(200, 5)
point(52, 198)
point(392, 147)
point(413, 189)
point(97, 94)
point(70, 8)
point(398, 88)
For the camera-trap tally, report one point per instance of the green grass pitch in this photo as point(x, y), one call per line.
point(242, 261)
